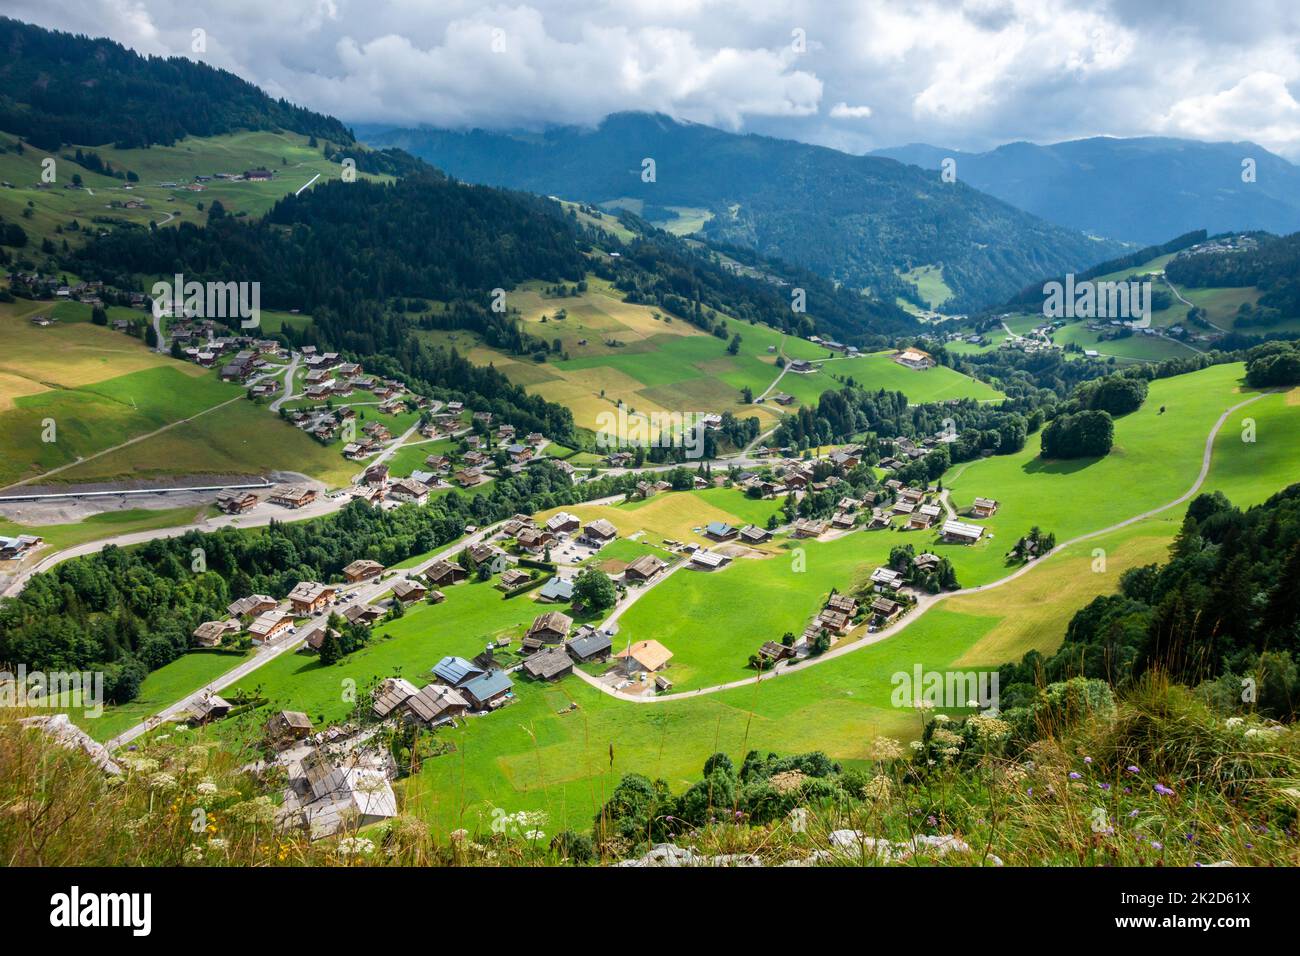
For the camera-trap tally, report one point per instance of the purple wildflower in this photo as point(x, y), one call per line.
point(1163, 790)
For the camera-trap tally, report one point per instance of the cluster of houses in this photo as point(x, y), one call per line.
point(36, 285)
point(264, 618)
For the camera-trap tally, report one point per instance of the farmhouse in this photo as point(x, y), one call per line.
point(339, 796)
point(708, 560)
point(308, 597)
point(924, 516)
point(295, 496)
point(810, 528)
point(644, 568)
point(550, 628)
point(834, 621)
point(842, 603)
point(210, 633)
point(959, 532)
point(753, 534)
point(456, 670)
point(269, 626)
point(236, 502)
point(16, 548)
point(914, 358)
point(556, 589)
point(644, 656)
point(436, 703)
point(562, 522)
point(886, 579)
point(983, 508)
point(512, 578)
point(549, 664)
point(253, 604)
point(775, 651)
point(534, 540)
point(926, 561)
point(589, 645)
point(843, 520)
point(288, 725)
point(443, 572)
point(366, 614)
point(884, 609)
point(409, 490)
point(598, 533)
point(720, 531)
point(361, 569)
point(488, 689)
point(390, 695)
point(406, 590)
point(209, 707)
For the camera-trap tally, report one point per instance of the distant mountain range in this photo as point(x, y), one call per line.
point(860, 220)
point(1143, 190)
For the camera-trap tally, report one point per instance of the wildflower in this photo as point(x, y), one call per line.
point(1163, 790)
point(1087, 760)
point(1132, 814)
point(1074, 775)
point(162, 781)
point(193, 854)
point(1232, 723)
point(206, 788)
point(535, 835)
point(1157, 845)
point(886, 748)
point(1131, 768)
point(349, 846)
point(217, 843)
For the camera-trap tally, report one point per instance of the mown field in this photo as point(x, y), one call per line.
point(650, 362)
point(286, 154)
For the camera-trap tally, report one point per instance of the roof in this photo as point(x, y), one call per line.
point(245, 604)
point(558, 589)
point(309, 591)
point(560, 519)
point(456, 670)
point(552, 621)
point(709, 559)
point(719, 528)
point(601, 528)
point(649, 654)
point(647, 565)
point(391, 694)
point(590, 644)
point(434, 700)
point(488, 685)
point(885, 576)
point(404, 586)
point(960, 529)
point(295, 719)
point(548, 663)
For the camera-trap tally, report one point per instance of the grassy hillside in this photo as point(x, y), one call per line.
point(638, 355)
point(539, 754)
point(102, 201)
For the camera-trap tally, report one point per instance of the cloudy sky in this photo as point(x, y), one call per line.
point(855, 75)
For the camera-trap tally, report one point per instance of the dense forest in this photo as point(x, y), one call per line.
point(857, 220)
point(129, 612)
point(58, 88)
point(1224, 609)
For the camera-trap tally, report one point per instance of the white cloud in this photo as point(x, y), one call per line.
point(844, 111)
point(1259, 107)
point(967, 74)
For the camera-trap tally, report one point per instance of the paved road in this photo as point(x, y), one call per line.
point(365, 592)
point(927, 601)
point(288, 383)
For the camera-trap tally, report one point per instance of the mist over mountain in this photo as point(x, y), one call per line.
point(860, 220)
point(1143, 190)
